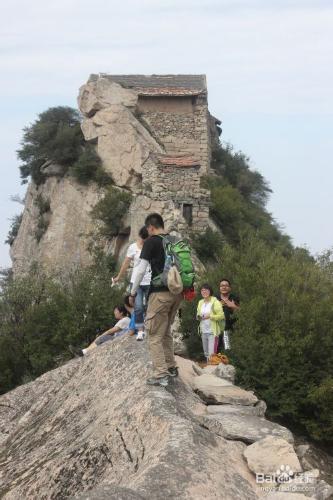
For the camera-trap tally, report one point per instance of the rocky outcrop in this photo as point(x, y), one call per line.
point(58, 238)
point(93, 429)
point(123, 143)
point(160, 161)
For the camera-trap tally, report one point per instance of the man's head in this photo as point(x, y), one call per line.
point(154, 224)
point(225, 286)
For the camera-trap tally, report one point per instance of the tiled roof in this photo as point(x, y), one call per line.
point(178, 160)
point(159, 84)
point(167, 91)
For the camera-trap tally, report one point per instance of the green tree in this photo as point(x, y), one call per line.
point(238, 197)
point(56, 137)
point(282, 345)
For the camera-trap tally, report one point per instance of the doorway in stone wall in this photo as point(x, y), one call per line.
point(188, 213)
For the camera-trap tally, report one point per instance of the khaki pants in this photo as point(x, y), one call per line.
point(161, 312)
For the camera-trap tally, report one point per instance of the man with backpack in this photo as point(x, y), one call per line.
point(172, 271)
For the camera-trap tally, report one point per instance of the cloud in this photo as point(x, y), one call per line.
point(260, 56)
point(268, 56)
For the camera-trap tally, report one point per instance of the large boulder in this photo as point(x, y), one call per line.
point(99, 93)
point(110, 119)
point(227, 372)
point(214, 390)
point(267, 455)
point(247, 428)
point(94, 429)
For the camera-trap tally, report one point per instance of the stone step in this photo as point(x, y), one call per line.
point(214, 390)
point(257, 410)
point(246, 428)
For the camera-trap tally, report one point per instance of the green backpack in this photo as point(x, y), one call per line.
point(177, 253)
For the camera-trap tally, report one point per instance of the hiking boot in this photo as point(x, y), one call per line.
point(162, 381)
point(75, 351)
point(140, 335)
point(173, 371)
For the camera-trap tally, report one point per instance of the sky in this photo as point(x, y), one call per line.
point(269, 72)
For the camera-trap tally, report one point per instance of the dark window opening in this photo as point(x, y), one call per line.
point(187, 213)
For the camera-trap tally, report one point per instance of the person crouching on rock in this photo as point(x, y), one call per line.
point(210, 314)
point(132, 330)
point(122, 326)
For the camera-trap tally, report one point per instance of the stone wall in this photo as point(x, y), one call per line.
point(182, 186)
point(179, 131)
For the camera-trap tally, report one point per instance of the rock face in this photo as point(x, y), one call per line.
point(93, 429)
point(64, 242)
point(122, 142)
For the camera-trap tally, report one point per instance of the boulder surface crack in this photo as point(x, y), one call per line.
point(129, 454)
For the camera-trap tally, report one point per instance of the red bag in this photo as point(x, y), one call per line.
point(189, 294)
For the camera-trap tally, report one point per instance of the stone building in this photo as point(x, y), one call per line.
point(167, 150)
point(175, 110)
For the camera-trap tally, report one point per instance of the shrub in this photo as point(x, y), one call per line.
point(238, 197)
point(41, 315)
point(88, 167)
point(43, 221)
point(42, 204)
point(42, 225)
point(282, 344)
point(56, 136)
point(207, 245)
point(110, 211)
point(14, 229)
point(235, 169)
